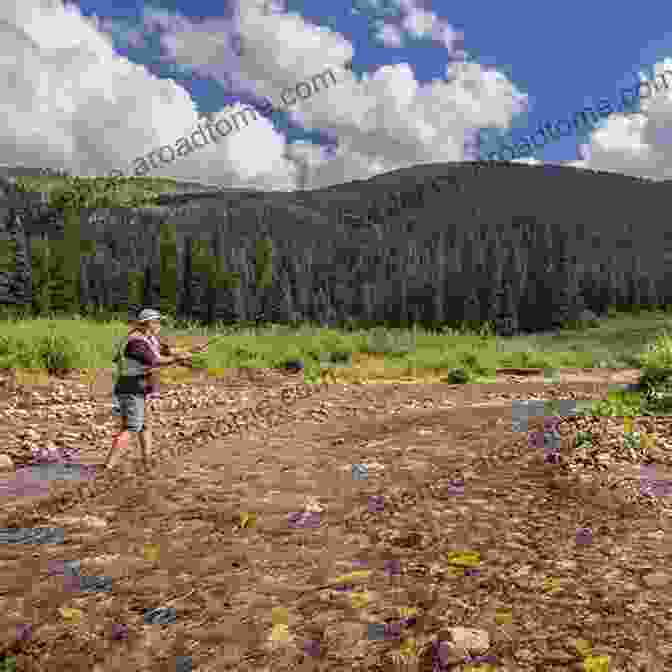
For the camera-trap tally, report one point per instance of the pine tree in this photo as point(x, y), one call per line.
point(263, 275)
point(472, 310)
point(136, 288)
point(506, 323)
point(168, 269)
point(73, 196)
point(40, 281)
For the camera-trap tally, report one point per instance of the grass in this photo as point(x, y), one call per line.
point(620, 341)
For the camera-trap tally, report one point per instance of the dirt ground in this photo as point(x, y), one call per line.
point(271, 445)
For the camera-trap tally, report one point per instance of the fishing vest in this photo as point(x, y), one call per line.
point(131, 367)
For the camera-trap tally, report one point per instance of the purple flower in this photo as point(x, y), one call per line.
point(456, 487)
point(392, 630)
point(551, 424)
point(552, 458)
point(376, 504)
point(471, 571)
point(64, 568)
point(303, 519)
point(119, 631)
point(441, 653)
point(312, 648)
point(393, 567)
point(536, 440)
point(24, 632)
point(584, 536)
point(489, 658)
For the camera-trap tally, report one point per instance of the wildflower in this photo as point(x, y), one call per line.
point(596, 664)
point(312, 648)
point(71, 615)
point(584, 536)
point(24, 632)
point(280, 633)
point(393, 567)
point(360, 600)
point(503, 616)
point(279, 616)
point(466, 559)
point(247, 520)
point(119, 631)
point(151, 552)
point(551, 585)
point(376, 504)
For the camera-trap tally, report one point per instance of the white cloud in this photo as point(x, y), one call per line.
point(636, 144)
point(75, 103)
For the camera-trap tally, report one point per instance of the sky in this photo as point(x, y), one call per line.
point(96, 86)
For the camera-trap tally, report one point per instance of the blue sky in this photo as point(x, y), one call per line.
point(427, 77)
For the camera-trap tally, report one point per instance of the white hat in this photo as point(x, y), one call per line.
point(148, 314)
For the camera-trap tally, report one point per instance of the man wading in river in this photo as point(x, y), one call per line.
point(137, 357)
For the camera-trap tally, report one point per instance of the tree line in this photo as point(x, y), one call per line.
point(380, 260)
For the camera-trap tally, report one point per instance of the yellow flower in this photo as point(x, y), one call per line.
point(627, 425)
point(280, 633)
point(408, 648)
point(72, 615)
point(360, 600)
point(551, 585)
point(583, 647)
point(150, 552)
point(347, 578)
point(248, 520)
point(407, 612)
point(503, 616)
point(466, 559)
point(455, 571)
point(280, 616)
point(596, 664)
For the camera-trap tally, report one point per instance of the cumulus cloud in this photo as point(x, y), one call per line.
point(76, 103)
point(637, 144)
point(392, 22)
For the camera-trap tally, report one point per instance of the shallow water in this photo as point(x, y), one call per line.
point(35, 479)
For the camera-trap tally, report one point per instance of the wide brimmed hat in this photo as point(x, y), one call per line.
point(148, 315)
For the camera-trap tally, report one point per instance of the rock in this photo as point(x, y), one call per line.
point(657, 579)
point(558, 656)
point(588, 316)
point(6, 462)
point(469, 640)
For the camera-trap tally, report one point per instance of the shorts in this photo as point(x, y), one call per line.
point(132, 410)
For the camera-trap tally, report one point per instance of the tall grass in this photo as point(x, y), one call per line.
point(60, 344)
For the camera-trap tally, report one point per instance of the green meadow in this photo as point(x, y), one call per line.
point(621, 340)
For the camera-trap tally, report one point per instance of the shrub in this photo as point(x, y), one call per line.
point(57, 354)
point(458, 376)
point(471, 363)
point(340, 357)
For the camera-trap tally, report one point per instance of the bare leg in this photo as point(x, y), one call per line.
point(119, 443)
point(145, 440)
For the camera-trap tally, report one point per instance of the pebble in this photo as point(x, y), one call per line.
point(657, 579)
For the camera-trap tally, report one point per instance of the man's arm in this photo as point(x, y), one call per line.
point(145, 355)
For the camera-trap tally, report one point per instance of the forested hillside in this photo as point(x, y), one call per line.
point(525, 247)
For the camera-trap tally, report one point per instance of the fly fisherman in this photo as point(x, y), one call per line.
point(136, 358)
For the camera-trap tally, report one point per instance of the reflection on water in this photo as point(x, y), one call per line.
point(34, 479)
